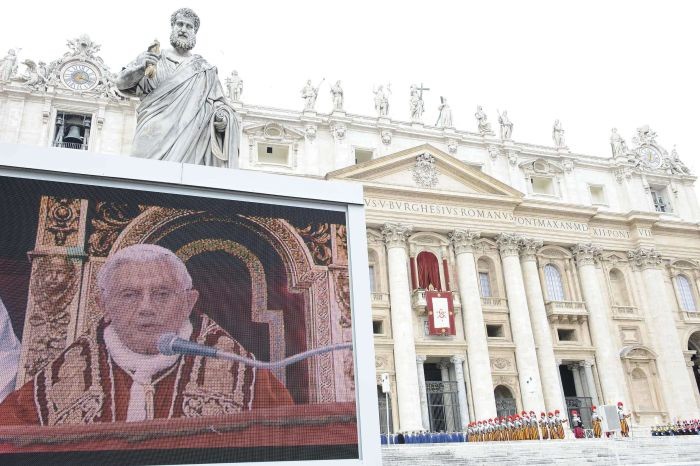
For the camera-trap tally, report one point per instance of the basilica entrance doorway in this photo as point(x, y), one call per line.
point(442, 397)
point(694, 345)
point(505, 402)
point(578, 391)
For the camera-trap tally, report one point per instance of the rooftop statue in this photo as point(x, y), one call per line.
point(235, 86)
point(416, 103)
point(381, 100)
point(183, 115)
point(445, 117)
point(506, 125)
point(309, 94)
point(618, 145)
point(337, 95)
point(482, 121)
point(558, 135)
point(8, 65)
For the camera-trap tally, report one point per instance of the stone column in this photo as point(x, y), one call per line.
point(574, 368)
point(607, 355)
point(549, 370)
point(402, 327)
point(457, 362)
point(590, 381)
point(420, 359)
point(673, 371)
point(474, 327)
point(525, 355)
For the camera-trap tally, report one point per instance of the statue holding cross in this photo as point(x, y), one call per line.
point(417, 106)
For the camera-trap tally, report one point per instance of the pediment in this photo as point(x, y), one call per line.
point(272, 131)
point(426, 168)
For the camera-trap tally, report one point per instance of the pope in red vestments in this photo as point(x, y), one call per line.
point(115, 373)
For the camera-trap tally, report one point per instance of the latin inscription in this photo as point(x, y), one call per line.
point(495, 215)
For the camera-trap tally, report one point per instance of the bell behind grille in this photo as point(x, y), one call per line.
point(73, 135)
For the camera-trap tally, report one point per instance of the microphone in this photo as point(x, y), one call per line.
point(170, 344)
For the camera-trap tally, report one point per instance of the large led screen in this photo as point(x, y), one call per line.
point(146, 327)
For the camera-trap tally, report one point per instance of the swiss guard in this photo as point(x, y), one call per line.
point(597, 422)
point(623, 416)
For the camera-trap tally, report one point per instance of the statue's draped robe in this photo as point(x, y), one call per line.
point(84, 385)
point(175, 120)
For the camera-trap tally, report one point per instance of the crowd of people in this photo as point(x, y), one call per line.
point(526, 426)
point(680, 427)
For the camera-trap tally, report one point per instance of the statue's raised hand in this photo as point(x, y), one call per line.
point(147, 58)
point(220, 120)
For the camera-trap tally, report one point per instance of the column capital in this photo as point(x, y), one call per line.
point(508, 244)
point(395, 234)
point(463, 240)
point(644, 257)
point(420, 358)
point(585, 364)
point(529, 247)
point(443, 365)
point(586, 253)
point(457, 360)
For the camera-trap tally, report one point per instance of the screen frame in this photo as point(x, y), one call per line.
point(119, 171)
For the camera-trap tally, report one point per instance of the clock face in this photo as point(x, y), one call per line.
point(650, 156)
point(79, 76)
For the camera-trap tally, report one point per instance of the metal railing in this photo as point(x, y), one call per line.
point(71, 145)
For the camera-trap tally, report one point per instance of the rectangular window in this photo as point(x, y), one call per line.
point(378, 327)
point(277, 154)
point(542, 185)
point(363, 155)
point(371, 279)
point(597, 194)
point(484, 285)
point(72, 130)
point(660, 200)
point(566, 334)
point(494, 331)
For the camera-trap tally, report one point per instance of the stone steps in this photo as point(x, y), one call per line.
point(683, 450)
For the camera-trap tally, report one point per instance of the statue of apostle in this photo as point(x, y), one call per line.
point(183, 115)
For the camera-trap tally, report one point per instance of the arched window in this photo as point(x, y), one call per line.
point(505, 403)
point(428, 271)
point(555, 287)
point(620, 297)
point(685, 291)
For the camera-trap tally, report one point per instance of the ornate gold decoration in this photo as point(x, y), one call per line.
point(313, 281)
point(53, 287)
point(318, 239)
point(63, 216)
point(109, 221)
point(342, 296)
point(341, 244)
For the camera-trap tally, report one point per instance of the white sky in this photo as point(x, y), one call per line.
point(594, 65)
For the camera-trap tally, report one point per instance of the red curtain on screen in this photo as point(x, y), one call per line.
point(428, 271)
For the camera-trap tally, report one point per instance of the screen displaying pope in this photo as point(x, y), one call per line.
point(114, 372)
